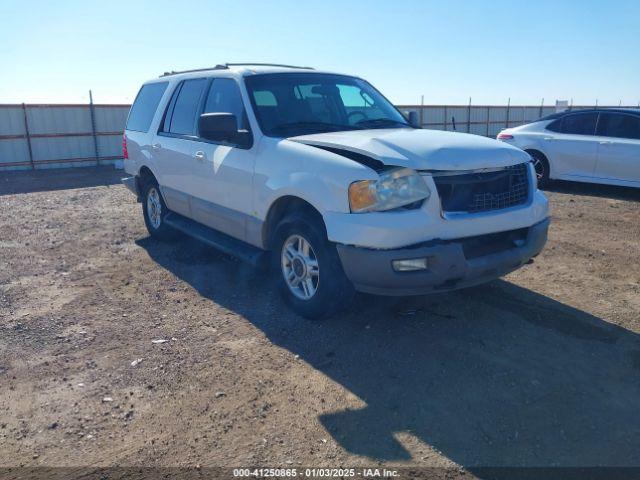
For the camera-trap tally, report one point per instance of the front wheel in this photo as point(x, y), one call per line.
point(309, 271)
point(541, 166)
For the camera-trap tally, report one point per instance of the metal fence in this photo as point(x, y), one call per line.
point(486, 120)
point(53, 136)
point(36, 136)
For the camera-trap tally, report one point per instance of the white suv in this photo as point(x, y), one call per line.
point(324, 176)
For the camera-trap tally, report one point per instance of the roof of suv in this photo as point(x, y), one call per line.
point(238, 70)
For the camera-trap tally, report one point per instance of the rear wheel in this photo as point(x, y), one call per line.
point(154, 210)
point(308, 268)
point(541, 166)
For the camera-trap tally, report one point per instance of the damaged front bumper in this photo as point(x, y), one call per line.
point(451, 264)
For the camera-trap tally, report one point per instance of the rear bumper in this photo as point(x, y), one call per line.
point(451, 263)
point(132, 184)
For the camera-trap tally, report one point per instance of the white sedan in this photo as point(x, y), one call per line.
point(596, 146)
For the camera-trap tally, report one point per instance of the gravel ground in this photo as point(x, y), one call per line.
point(116, 349)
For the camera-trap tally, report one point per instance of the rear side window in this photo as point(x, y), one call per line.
point(180, 118)
point(580, 124)
point(145, 105)
point(619, 125)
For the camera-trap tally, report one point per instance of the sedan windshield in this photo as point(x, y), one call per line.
point(290, 104)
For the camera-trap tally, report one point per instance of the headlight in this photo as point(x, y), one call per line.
point(395, 188)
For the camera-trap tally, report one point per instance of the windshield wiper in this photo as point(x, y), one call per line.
point(381, 122)
point(283, 127)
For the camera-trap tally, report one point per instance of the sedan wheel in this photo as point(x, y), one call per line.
point(541, 167)
point(538, 165)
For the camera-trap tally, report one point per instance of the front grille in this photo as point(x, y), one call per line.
point(484, 191)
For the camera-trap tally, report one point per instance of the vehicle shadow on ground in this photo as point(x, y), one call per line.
point(494, 376)
point(594, 190)
point(27, 181)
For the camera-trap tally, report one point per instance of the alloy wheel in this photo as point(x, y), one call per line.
point(300, 267)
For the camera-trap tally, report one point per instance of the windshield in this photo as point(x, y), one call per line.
point(290, 104)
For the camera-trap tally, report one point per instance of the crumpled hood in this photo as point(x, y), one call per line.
point(421, 149)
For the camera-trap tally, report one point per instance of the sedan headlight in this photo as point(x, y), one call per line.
point(395, 188)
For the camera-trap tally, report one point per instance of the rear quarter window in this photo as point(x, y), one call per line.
point(555, 126)
point(145, 105)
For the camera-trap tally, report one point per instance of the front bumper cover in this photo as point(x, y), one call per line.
point(371, 270)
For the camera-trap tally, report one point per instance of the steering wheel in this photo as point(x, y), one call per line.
point(357, 112)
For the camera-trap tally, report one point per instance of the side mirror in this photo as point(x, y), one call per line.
point(223, 127)
point(218, 127)
point(414, 119)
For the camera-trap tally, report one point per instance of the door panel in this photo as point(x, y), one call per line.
point(572, 155)
point(573, 150)
point(222, 198)
point(174, 157)
point(174, 144)
point(618, 147)
point(619, 159)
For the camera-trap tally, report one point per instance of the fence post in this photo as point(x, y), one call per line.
point(508, 108)
point(469, 117)
point(541, 108)
point(28, 135)
point(421, 111)
point(93, 128)
point(445, 118)
point(488, 112)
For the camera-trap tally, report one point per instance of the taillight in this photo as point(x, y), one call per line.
point(504, 136)
point(125, 152)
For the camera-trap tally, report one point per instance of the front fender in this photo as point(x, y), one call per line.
point(319, 177)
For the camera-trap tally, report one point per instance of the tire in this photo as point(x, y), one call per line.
point(321, 290)
point(152, 201)
point(541, 166)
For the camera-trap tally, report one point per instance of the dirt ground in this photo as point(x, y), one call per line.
point(116, 349)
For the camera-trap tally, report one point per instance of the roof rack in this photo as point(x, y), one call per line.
point(174, 72)
point(266, 65)
point(227, 65)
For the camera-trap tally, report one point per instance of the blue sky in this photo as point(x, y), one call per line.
point(55, 51)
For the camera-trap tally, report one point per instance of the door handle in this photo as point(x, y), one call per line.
point(605, 142)
point(549, 138)
point(199, 155)
point(156, 146)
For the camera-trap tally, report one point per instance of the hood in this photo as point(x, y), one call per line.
point(421, 149)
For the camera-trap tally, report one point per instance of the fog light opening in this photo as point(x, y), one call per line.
point(410, 264)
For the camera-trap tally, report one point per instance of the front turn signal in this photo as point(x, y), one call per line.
point(362, 195)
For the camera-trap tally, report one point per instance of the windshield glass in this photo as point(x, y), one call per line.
point(290, 104)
